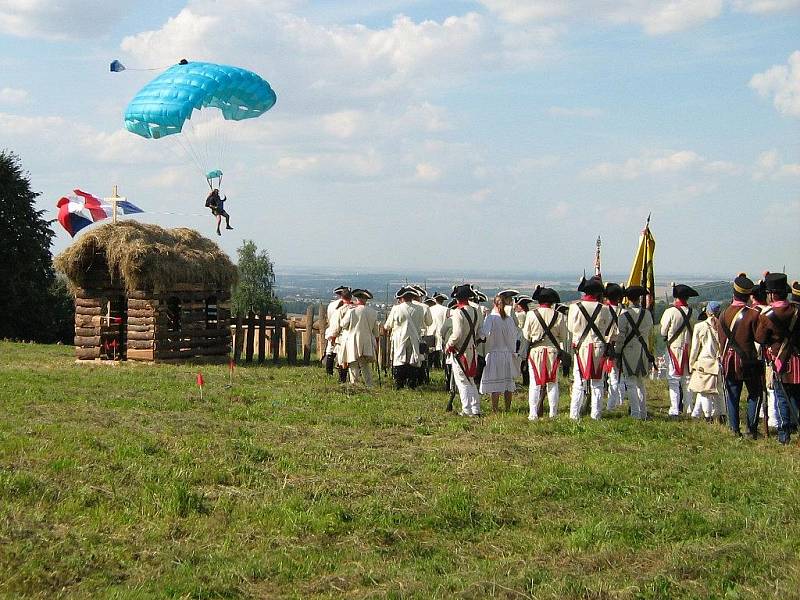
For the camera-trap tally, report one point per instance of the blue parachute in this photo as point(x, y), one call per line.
point(163, 105)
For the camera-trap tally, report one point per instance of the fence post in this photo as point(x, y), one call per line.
point(291, 342)
point(307, 333)
point(323, 325)
point(251, 333)
point(262, 338)
point(276, 338)
point(238, 340)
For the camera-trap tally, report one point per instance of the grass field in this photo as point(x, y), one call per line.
point(119, 482)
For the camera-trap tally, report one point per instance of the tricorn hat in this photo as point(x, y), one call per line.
point(363, 294)
point(462, 292)
point(479, 296)
point(682, 291)
point(743, 284)
point(509, 293)
point(406, 292)
point(635, 291)
point(341, 289)
point(523, 300)
point(592, 286)
point(452, 303)
point(614, 291)
point(548, 296)
point(440, 296)
point(796, 291)
point(776, 282)
point(430, 301)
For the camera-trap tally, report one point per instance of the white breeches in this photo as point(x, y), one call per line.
point(535, 394)
point(615, 389)
point(578, 389)
point(707, 404)
point(362, 368)
point(678, 387)
point(470, 399)
point(772, 409)
point(634, 387)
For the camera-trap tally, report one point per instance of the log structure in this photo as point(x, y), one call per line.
point(146, 293)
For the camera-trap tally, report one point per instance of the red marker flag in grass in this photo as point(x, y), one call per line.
point(200, 383)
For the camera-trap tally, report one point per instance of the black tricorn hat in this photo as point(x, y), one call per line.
point(548, 296)
point(430, 301)
point(776, 282)
point(614, 291)
point(363, 294)
point(341, 289)
point(479, 296)
point(592, 286)
point(682, 291)
point(405, 292)
point(509, 293)
point(523, 299)
point(635, 291)
point(743, 284)
point(439, 296)
point(463, 292)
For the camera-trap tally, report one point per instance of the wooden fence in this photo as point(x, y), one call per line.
point(294, 338)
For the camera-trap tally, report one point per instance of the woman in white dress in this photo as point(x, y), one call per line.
point(502, 363)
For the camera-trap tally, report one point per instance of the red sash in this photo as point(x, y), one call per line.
point(542, 375)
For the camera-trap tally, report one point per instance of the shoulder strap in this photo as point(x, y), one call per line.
point(614, 319)
point(685, 324)
point(471, 334)
point(635, 333)
point(788, 332)
point(548, 329)
point(730, 339)
point(591, 324)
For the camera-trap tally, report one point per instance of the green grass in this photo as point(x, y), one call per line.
point(119, 482)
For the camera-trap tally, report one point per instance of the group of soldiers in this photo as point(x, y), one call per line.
point(604, 339)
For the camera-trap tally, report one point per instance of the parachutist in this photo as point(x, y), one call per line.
point(217, 206)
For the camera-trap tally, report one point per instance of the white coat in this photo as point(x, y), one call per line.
point(361, 325)
point(405, 323)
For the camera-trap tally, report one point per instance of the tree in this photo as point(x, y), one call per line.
point(256, 282)
point(27, 280)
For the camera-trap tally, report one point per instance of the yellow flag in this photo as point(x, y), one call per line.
point(642, 269)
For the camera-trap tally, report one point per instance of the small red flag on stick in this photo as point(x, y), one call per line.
point(200, 383)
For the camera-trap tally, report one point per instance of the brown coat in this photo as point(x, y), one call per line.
point(741, 321)
point(772, 336)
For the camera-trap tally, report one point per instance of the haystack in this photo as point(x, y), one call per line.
point(149, 293)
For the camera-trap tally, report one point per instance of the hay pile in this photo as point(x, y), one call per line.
point(149, 257)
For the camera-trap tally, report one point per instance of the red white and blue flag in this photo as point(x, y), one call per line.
point(82, 209)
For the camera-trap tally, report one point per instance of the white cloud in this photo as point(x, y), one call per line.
point(9, 95)
point(62, 20)
point(656, 17)
point(562, 111)
point(770, 165)
point(765, 6)
point(342, 124)
point(664, 163)
point(480, 196)
point(427, 172)
point(534, 163)
point(782, 83)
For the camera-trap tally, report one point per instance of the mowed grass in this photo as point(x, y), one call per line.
point(119, 482)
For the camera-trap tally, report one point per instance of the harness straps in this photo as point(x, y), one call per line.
point(471, 335)
point(591, 324)
point(788, 333)
point(636, 333)
point(548, 329)
point(614, 320)
point(730, 340)
point(686, 324)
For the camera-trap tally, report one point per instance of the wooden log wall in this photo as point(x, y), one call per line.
point(149, 333)
point(92, 328)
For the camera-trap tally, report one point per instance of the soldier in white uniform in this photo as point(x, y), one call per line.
point(613, 296)
point(545, 330)
point(521, 307)
point(588, 320)
point(404, 323)
point(676, 329)
point(360, 346)
point(329, 357)
point(461, 345)
point(444, 332)
point(438, 315)
point(478, 298)
point(632, 350)
point(420, 373)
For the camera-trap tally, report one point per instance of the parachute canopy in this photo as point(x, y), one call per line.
point(163, 105)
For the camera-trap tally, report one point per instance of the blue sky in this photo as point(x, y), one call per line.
point(446, 135)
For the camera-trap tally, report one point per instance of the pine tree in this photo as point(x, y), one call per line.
point(26, 268)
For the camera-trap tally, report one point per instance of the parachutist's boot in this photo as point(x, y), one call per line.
point(228, 223)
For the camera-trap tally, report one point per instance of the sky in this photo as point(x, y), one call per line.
point(435, 134)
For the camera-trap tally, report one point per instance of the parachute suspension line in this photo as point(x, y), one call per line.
point(188, 153)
